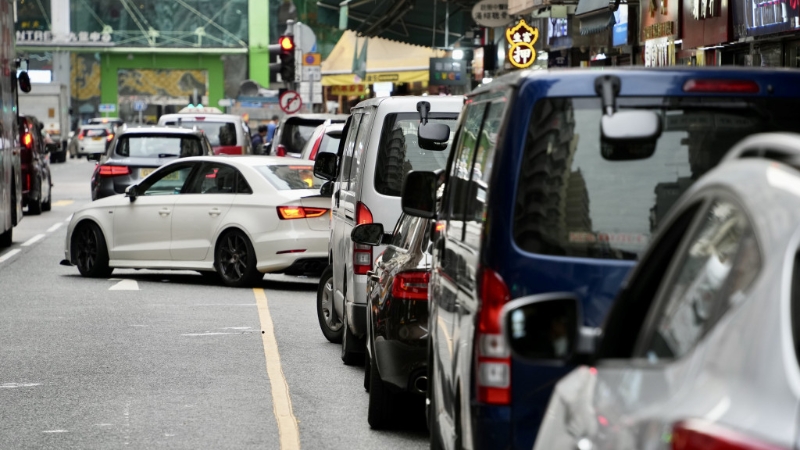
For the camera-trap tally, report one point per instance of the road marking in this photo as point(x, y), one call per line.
point(124, 285)
point(54, 227)
point(8, 255)
point(55, 431)
point(281, 400)
point(18, 385)
point(32, 240)
point(63, 202)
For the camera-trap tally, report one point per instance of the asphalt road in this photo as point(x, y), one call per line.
point(163, 359)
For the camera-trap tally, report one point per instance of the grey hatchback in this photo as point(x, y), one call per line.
point(135, 152)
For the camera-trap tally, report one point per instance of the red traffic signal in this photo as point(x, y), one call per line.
point(286, 43)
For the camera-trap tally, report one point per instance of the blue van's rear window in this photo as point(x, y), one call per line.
point(571, 201)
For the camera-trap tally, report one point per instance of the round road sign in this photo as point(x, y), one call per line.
point(290, 102)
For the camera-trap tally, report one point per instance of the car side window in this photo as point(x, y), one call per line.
point(481, 172)
point(360, 148)
point(718, 263)
point(460, 170)
point(349, 146)
point(242, 187)
point(404, 232)
point(167, 182)
point(214, 178)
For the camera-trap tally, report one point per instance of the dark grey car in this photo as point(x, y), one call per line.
point(135, 152)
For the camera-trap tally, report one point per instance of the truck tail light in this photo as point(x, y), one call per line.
point(107, 170)
point(493, 361)
point(280, 150)
point(362, 259)
point(300, 212)
point(315, 149)
point(411, 285)
point(697, 434)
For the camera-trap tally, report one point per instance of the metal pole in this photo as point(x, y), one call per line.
point(447, 24)
point(433, 39)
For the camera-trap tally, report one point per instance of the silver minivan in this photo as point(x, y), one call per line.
point(379, 147)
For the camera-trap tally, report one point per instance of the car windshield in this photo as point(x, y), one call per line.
point(220, 134)
point(399, 151)
point(163, 146)
point(289, 177)
point(572, 201)
point(296, 133)
point(95, 132)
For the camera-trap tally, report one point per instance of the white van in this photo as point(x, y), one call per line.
point(228, 133)
point(379, 146)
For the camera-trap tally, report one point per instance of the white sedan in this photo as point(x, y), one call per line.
point(238, 217)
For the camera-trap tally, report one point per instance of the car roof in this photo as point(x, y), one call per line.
point(215, 117)
point(250, 160)
point(321, 117)
point(647, 81)
point(155, 129)
point(409, 102)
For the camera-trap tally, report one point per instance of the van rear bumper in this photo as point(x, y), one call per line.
point(357, 318)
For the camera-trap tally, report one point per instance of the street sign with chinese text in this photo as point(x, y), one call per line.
point(353, 89)
point(521, 38)
point(491, 13)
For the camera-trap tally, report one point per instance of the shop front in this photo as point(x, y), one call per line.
point(660, 25)
point(705, 30)
point(767, 34)
point(389, 68)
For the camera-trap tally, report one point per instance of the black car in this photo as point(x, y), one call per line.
point(397, 317)
point(136, 152)
point(35, 164)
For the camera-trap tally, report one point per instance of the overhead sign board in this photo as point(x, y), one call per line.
point(521, 38)
point(491, 13)
point(448, 72)
point(107, 107)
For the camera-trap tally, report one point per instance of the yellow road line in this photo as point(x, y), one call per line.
point(281, 400)
point(63, 203)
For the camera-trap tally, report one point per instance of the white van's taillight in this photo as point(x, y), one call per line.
point(362, 254)
point(492, 358)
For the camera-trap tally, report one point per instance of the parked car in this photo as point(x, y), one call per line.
point(325, 138)
point(92, 140)
point(228, 133)
point(556, 183)
point(37, 182)
point(380, 147)
point(236, 217)
point(700, 348)
point(397, 317)
point(137, 152)
point(294, 131)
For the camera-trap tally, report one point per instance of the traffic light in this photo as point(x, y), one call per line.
point(284, 49)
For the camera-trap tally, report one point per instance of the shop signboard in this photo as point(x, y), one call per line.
point(448, 72)
point(705, 23)
point(491, 13)
point(620, 30)
point(72, 39)
point(477, 64)
point(659, 52)
point(352, 89)
point(521, 38)
point(660, 19)
point(763, 17)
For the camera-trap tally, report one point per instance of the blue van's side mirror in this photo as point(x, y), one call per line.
point(546, 327)
point(419, 194)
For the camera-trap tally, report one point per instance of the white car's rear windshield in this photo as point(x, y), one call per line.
point(220, 134)
point(159, 146)
point(290, 177)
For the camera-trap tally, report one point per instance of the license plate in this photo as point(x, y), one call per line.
point(145, 172)
point(174, 176)
point(96, 138)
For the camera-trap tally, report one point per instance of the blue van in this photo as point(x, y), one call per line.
point(556, 183)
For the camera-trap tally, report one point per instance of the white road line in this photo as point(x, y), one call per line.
point(281, 400)
point(32, 240)
point(54, 227)
point(124, 285)
point(9, 254)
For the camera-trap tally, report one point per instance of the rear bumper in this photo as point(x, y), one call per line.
point(357, 318)
point(277, 253)
point(401, 362)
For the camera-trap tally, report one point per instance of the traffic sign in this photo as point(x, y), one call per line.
point(139, 105)
point(312, 59)
point(290, 102)
point(107, 107)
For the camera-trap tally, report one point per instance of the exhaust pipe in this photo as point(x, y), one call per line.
point(421, 384)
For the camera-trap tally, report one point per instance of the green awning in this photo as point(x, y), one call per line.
point(409, 21)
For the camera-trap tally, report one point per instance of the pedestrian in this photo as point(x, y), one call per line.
point(271, 127)
point(259, 139)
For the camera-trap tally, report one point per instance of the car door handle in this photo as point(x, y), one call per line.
point(164, 211)
point(214, 212)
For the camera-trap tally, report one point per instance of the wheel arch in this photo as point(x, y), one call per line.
point(81, 222)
